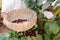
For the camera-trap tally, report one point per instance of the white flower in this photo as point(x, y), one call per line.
point(48, 14)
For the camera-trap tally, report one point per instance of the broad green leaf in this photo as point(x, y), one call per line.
point(15, 38)
point(40, 24)
point(54, 28)
point(31, 4)
point(36, 10)
point(28, 38)
point(39, 37)
point(40, 16)
point(57, 37)
point(5, 38)
point(58, 25)
point(51, 27)
point(40, 2)
point(23, 38)
point(47, 37)
point(6, 35)
point(47, 28)
point(34, 38)
point(13, 33)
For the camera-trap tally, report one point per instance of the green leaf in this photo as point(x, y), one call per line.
point(58, 24)
point(15, 38)
point(6, 35)
point(13, 33)
point(39, 37)
point(40, 24)
point(57, 37)
point(54, 28)
point(34, 38)
point(51, 27)
point(47, 28)
point(40, 16)
point(23, 38)
point(31, 4)
point(28, 38)
point(40, 2)
point(47, 37)
point(6, 39)
point(35, 9)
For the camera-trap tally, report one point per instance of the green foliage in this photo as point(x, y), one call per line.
point(23, 38)
point(54, 28)
point(40, 16)
point(29, 38)
point(51, 28)
point(47, 28)
point(13, 34)
point(47, 37)
point(57, 37)
point(39, 37)
point(30, 3)
point(40, 2)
